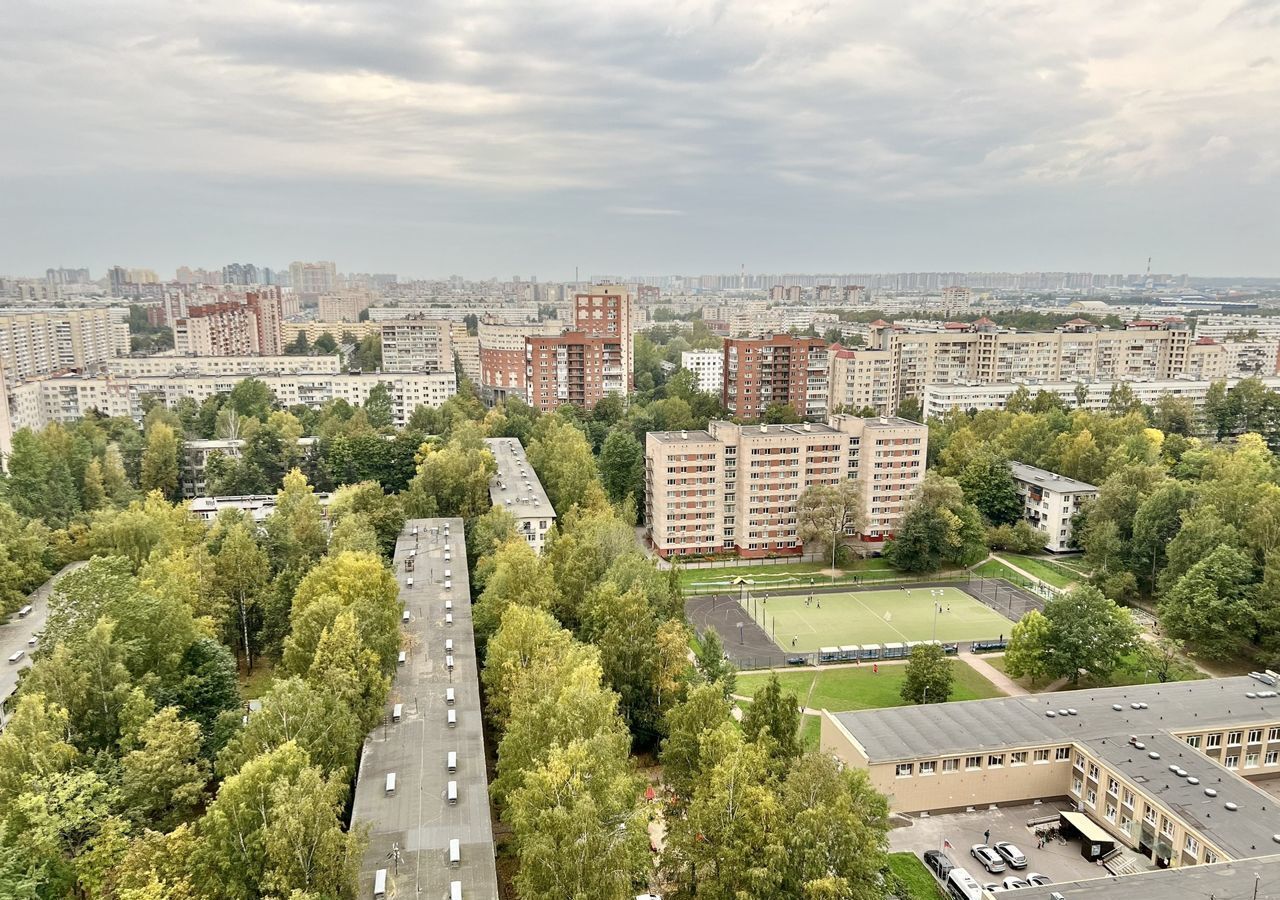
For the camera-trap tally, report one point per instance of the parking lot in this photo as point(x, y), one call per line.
point(1061, 862)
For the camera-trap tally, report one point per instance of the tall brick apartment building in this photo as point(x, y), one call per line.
point(587, 362)
point(776, 369)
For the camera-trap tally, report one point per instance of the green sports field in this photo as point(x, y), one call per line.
point(876, 617)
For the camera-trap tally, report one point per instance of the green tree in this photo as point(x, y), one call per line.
point(1154, 525)
point(1028, 652)
point(563, 460)
point(988, 484)
point(241, 574)
point(94, 492)
point(776, 715)
point(378, 406)
point(1202, 531)
point(1087, 634)
point(453, 480)
point(351, 671)
point(704, 710)
point(295, 530)
point(252, 399)
point(836, 833)
point(827, 514)
point(928, 675)
point(622, 466)
point(299, 346)
point(578, 829)
point(384, 512)
point(24, 558)
point(713, 663)
point(295, 711)
point(1211, 606)
point(27, 485)
point(160, 462)
point(356, 582)
point(34, 745)
point(162, 782)
point(326, 344)
point(938, 527)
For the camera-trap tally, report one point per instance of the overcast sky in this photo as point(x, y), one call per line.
point(628, 136)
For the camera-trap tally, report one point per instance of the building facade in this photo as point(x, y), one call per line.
point(243, 366)
point(502, 353)
point(707, 367)
point(1050, 501)
point(44, 341)
point(313, 278)
point(226, 328)
point(417, 345)
point(736, 488)
point(776, 369)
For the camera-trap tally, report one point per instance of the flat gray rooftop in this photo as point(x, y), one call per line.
point(410, 829)
point(672, 437)
point(1242, 833)
point(912, 732)
point(1047, 479)
point(516, 487)
point(1221, 881)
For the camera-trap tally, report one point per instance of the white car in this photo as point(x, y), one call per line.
point(989, 858)
point(1035, 879)
point(1012, 883)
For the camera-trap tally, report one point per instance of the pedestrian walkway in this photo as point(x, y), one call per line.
point(994, 675)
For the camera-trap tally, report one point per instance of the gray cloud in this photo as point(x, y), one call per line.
point(507, 132)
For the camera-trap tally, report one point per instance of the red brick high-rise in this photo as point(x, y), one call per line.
point(776, 369)
point(589, 361)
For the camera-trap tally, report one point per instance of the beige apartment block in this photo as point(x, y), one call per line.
point(417, 345)
point(314, 328)
point(217, 329)
point(41, 342)
point(736, 488)
point(343, 307)
point(466, 347)
point(1163, 768)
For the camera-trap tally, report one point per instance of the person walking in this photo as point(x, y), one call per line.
point(793, 642)
point(986, 836)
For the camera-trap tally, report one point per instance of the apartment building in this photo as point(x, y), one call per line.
point(940, 399)
point(588, 362)
point(1164, 769)
point(466, 350)
point(707, 367)
point(776, 369)
point(313, 278)
point(35, 342)
point(735, 488)
point(343, 307)
point(1223, 327)
point(6, 424)
point(225, 328)
point(516, 488)
point(417, 345)
point(502, 353)
point(243, 366)
point(195, 459)
point(68, 398)
point(861, 379)
point(886, 458)
point(314, 328)
point(268, 314)
point(1050, 501)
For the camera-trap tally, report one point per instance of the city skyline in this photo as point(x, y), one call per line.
point(643, 137)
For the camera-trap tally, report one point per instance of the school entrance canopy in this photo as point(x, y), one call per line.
point(1095, 841)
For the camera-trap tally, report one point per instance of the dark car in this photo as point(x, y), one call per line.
point(949, 649)
point(939, 863)
point(796, 661)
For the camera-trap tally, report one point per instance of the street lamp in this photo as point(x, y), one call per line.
point(740, 641)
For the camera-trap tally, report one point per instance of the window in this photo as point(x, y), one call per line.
point(905, 769)
point(1255, 735)
point(995, 760)
point(1042, 756)
point(1212, 741)
point(1018, 759)
point(1210, 857)
point(1192, 846)
point(1091, 797)
point(1128, 798)
point(1111, 812)
point(928, 768)
point(950, 765)
point(1113, 786)
point(1166, 827)
point(1149, 816)
point(1251, 760)
point(973, 762)
point(1076, 786)
point(1062, 753)
point(1078, 763)
point(1193, 740)
point(1231, 762)
point(1093, 771)
point(1233, 739)
point(1270, 758)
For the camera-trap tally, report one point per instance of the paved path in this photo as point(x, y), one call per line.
point(15, 633)
point(994, 675)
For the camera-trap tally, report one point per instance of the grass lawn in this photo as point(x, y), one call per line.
point(783, 575)
point(995, 569)
point(895, 615)
point(917, 883)
point(810, 733)
point(254, 686)
point(1044, 569)
point(1132, 671)
point(841, 690)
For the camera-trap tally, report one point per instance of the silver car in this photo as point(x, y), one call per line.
point(1012, 855)
point(989, 858)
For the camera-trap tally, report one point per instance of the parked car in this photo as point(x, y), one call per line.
point(938, 863)
point(1012, 855)
point(949, 649)
point(1035, 879)
point(796, 661)
point(1012, 883)
point(991, 887)
point(989, 858)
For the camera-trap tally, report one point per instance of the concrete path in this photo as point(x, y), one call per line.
point(994, 675)
point(15, 633)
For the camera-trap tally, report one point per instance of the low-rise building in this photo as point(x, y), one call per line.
point(1163, 768)
point(1050, 501)
point(195, 459)
point(256, 506)
point(171, 366)
point(516, 488)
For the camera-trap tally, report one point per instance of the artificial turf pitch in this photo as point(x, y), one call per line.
point(875, 617)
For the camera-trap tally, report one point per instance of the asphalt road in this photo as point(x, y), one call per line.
point(15, 633)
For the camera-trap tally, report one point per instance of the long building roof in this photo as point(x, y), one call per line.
point(516, 487)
